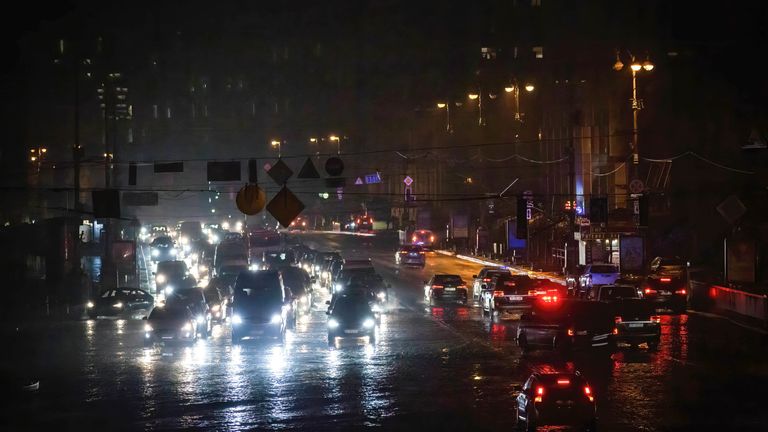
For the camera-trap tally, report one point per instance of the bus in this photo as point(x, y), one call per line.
point(425, 238)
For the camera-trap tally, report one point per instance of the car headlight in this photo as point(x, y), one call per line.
point(174, 251)
point(184, 240)
point(194, 256)
point(155, 252)
point(276, 319)
point(317, 268)
point(118, 305)
point(382, 295)
point(187, 248)
point(332, 323)
point(202, 268)
point(168, 290)
point(304, 299)
point(325, 274)
point(237, 319)
point(161, 279)
point(337, 287)
point(148, 328)
point(200, 319)
point(216, 308)
point(369, 323)
point(89, 304)
point(187, 327)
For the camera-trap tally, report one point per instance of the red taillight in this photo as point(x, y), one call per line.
point(431, 238)
point(549, 299)
point(588, 393)
point(655, 318)
point(617, 320)
point(414, 238)
point(650, 291)
point(498, 293)
point(462, 286)
point(615, 331)
point(570, 332)
point(665, 280)
point(564, 381)
point(421, 253)
point(486, 279)
point(403, 253)
point(681, 291)
point(437, 286)
point(539, 394)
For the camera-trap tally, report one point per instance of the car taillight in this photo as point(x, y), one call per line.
point(539, 394)
point(486, 279)
point(462, 286)
point(414, 238)
point(649, 291)
point(588, 393)
point(549, 298)
point(617, 320)
point(437, 286)
point(655, 318)
point(498, 293)
point(615, 331)
point(563, 381)
point(666, 280)
point(681, 291)
point(421, 252)
point(403, 253)
point(570, 332)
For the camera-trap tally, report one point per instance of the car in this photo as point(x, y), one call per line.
point(445, 287)
point(262, 307)
point(424, 238)
point(169, 324)
point(163, 248)
point(350, 315)
point(411, 255)
point(556, 398)
point(636, 322)
point(609, 293)
point(345, 275)
point(667, 284)
point(331, 273)
point(194, 299)
point(218, 303)
point(278, 259)
point(232, 236)
point(320, 258)
point(172, 275)
point(484, 277)
point(567, 324)
point(299, 283)
point(299, 224)
point(378, 287)
point(522, 281)
point(121, 303)
point(507, 293)
point(595, 275)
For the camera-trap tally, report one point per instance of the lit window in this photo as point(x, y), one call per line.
point(154, 111)
point(539, 52)
point(488, 53)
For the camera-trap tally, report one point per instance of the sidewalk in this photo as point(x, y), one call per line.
point(515, 269)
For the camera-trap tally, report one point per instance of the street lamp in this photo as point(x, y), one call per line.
point(515, 89)
point(479, 97)
point(447, 107)
point(278, 144)
point(637, 104)
point(338, 142)
point(313, 140)
point(36, 155)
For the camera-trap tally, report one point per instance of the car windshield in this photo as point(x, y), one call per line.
point(352, 306)
point(178, 268)
point(262, 239)
point(604, 269)
point(212, 295)
point(168, 313)
point(295, 279)
point(162, 241)
point(615, 292)
point(410, 249)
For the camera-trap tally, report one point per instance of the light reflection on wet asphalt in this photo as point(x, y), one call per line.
point(446, 367)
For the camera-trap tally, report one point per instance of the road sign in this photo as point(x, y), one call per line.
point(373, 178)
point(408, 180)
point(584, 221)
point(636, 186)
point(359, 181)
point(280, 172)
point(251, 199)
point(334, 166)
point(285, 207)
point(308, 170)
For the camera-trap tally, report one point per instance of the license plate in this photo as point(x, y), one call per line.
point(167, 337)
point(413, 254)
point(351, 331)
point(564, 402)
point(515, 298)
point(665, 293)
point(581, 332)
point(634, 325)
point(450, 289)
point(256, 332)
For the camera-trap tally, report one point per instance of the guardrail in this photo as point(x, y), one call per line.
point(741, 302)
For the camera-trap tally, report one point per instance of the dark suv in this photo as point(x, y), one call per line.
point(508, 293)
point(556, 398)
point(667, 284)
point(194, 299)
point(567, 324)
point(262, 306)
point(445, 288)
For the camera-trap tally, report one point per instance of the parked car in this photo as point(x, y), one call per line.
point(411, 255)
point(567, 324)
point(556, 398)
point(445, 288)
point(595, 275)
point(483, 277)
point(170, 324)
point(121, 303)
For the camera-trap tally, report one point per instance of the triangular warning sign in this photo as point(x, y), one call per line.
point(308, 171)
point(285, 207)
point(359, 181)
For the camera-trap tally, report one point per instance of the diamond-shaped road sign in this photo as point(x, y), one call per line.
point(280, 172)
point(285, 207)
point(407, 180)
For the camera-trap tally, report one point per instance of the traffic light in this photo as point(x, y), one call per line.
point(522, 220)
point(598, 210)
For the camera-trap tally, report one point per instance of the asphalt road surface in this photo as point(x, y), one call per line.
point(442, 368)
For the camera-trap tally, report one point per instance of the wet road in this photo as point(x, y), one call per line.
point(446, 367)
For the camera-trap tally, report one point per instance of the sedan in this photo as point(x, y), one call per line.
point(556, 398)
point(445, 288)
point(121, 303)
point(170, 325)
point(350, 315)
point(411, 255)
